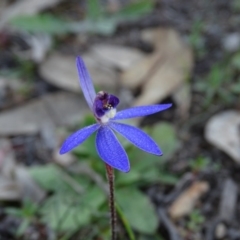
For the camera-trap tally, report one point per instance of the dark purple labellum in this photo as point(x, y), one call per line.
point(103, 103)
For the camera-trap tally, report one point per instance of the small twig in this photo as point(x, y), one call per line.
point(228, 203)
point(183, 182)
point(173, 234)
point(211, 228)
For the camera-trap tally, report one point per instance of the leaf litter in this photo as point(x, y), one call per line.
point(60, 70)
point(222, 130)
point(28, 119)
point(162, 72)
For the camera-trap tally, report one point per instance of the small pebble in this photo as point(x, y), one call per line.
point(231, 42)
point(220, 231)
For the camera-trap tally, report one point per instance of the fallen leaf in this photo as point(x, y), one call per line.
point(25, 7)
point(62, 108)
point(182, 97)
point(117, 56)
point(60, 70)
point(222, 131)
point(135, 76)
point(185, 203)
point(39, 44)
point(163, 71)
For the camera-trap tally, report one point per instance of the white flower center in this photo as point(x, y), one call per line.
point(108, 115)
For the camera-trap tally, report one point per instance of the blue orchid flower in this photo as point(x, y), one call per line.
point(103, 106)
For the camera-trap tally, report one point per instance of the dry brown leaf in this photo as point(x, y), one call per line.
point(185, 203)
point(60, 70)
point(182, 97)
point(162, 72)
point(116, 56)
point(62, 108)
point(222, 130)
point(135, 76)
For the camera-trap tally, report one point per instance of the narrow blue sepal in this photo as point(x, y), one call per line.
point(141, 111)
point(85, 82)
point(110, 150)
point(78, 137)
point(137, 137)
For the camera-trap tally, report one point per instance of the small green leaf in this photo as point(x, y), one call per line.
point(47, 176)
point(23, 227)
point(235, 62)
point(45, 23)
point(155, 237)
point(94, 10)
point(200, 163)
point(68, 213)
point(235, 5)
point(235, 88)
point(63, 214)
point(14, 212)
point(147, 168)
point(127, 178)
point(87, 148)
point(137, 8)
point(167, 178)
point(165, 136)
point(138, 210)
point(152, 175)
point(103, 26)
point(93, 198)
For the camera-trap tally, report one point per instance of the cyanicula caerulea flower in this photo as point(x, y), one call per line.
point(103, 106)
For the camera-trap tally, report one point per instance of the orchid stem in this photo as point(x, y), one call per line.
point(110, 176)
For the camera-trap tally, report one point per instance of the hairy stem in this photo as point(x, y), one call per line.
point(110, 176)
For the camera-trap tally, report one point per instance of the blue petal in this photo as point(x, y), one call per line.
point(141, 111)
point(110, 150)
point(85, 82)
point(78, 137)
point(136, 136)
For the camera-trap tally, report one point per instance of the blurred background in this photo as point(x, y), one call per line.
point(145, 52)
